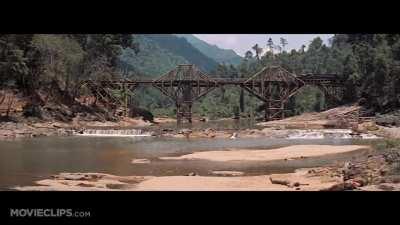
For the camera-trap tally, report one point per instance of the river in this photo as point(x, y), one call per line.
point(24, 161)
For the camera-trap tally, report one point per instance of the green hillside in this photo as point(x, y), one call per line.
point(55, 65)
point(152, 60)
point(159, 53)
point(227, 56)
point(181, 47)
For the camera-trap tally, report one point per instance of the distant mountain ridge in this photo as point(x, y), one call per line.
point(227, 56)
point(181, 47)
point(159, 53)
point(152, 60)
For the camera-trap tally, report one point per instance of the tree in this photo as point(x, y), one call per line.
point(222, 70)
point(258, 50)
point(233, 72)
point(248, 55)
point(283, 42)
point(14, 60)
point(36, 60)
point(241, 100)
point(351, 77)
point(303, 48)
point(318, 102)
point(315, 44)
point(270, 45)
point(279, 48)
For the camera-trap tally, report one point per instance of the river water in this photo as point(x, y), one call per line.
point(27, 160)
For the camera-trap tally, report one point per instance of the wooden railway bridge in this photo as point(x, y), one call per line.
point(186, 83)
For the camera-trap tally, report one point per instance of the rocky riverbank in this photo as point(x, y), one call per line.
point(299, 180)
point(376, 171)
point(28, 129)
point(273, 132)
point(372, 174)
point(12, 130)
point(327, 124)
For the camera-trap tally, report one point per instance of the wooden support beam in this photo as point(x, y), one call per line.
point(186, 83)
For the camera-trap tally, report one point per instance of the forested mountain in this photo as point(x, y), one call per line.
point(151, 60)
point(368, 63)
point(181, 47)
point(223, 56)
point(159, 53)
point(33, 62)
point(51, 66)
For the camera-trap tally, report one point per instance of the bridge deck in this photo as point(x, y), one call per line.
point(306, 78)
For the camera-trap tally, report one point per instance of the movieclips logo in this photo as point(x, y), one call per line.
point(47, 213)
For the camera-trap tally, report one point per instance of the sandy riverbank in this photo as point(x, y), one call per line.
point(288, 153)
point(300, 180)
point(310, 179)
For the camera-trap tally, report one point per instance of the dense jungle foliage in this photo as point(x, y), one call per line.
point(369, 64)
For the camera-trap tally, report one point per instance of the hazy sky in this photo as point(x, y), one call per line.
point(241, 43)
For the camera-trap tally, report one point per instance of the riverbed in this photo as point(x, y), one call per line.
point(25, 161)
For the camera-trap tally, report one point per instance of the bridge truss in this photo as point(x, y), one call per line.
point(186, 83)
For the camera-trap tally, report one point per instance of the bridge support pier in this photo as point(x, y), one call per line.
point(184, 102)
point(184, 111)
point(274, 110)
point(186, 83)
point(333, 95)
